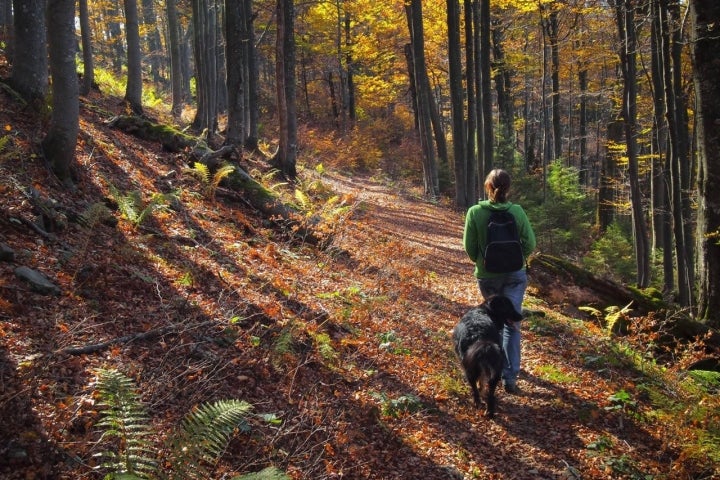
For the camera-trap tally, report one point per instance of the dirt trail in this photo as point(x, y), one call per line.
point(550, 429)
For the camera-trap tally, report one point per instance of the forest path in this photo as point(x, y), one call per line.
point(551, 429)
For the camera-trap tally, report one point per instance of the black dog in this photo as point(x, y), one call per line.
point(478, 344)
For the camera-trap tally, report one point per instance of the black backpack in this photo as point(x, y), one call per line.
point(503, 251)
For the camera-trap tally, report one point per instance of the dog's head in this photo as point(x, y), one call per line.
point(501, 310)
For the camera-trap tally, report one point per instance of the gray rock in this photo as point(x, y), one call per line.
point(38, 282)
point(7, 254)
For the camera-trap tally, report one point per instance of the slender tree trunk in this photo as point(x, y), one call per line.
point(175, 58)
point(59, 144)
point(470, 84)
point(683, 142)
point(705, 48)
point(463, 198)
point(625, 10)
point(350, 67)
point(486, 88)
point(152, 40)
point(335, 110)
point(662, 220)
point(529, 131)
point(252, 111)
point(86, 36)
point(608, 172)
point(133, 91)
point(677, 156)
point(286, 156)
point(236, 68)
point(29, 76)
point(503, 87)
point(117, 52)
point(422, 84)
point(205, 42)
point(582, 127)
point(551, 28)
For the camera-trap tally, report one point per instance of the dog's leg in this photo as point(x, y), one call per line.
point(472, 380)
point(491, 400)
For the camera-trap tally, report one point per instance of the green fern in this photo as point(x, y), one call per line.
point(209, 182)
point(204, 435)
point(4, 141)
point(199, 171)
point(125, 424)
point(132, 207)
point(198, 443)
point(95, 214)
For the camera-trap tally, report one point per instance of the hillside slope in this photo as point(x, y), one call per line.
point(349, 346)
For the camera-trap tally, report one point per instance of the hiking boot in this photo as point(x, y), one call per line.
point(512, 389)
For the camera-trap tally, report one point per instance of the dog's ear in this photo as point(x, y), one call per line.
point(502, 306)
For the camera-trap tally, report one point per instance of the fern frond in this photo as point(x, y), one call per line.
point(125, 419)
point(158, 201)
point(130, 205)
point(199, 171)
point(204, 435)
point(302, 198)
point(95, 214)
point(221, 174)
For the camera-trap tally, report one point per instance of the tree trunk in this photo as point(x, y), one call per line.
point(472, 120)
point(114, 33)
point(286, 156)
point(625, 10)
point(706, 45)
point(173, 35)
point(236, 68)
point(252, 111)
point(503, 87)
point(59, 144)
point(29, 75)
point(350, 68)
point(485, 76)
point(463, 198)
point(685, 158)
point(86, 36)
point(206, 72)
point(555, 77)
point(660, 207)
point(152, 40)
point(608, 172)
point(677, 154)
point(133, 91)
point(424, 109)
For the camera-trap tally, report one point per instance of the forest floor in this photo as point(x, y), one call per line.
point(348, 346)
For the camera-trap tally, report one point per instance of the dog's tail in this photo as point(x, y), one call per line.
point(483, 359)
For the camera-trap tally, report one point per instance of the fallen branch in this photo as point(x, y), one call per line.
point(96, 347)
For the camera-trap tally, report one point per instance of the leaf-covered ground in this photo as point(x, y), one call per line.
point(348, 346)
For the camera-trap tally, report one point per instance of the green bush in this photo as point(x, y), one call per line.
point(562, 214)
point(612, 255)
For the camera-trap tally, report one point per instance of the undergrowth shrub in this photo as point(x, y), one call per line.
point(612, 255)
point(563, 218)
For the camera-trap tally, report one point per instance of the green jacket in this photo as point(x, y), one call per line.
point(475, 235)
